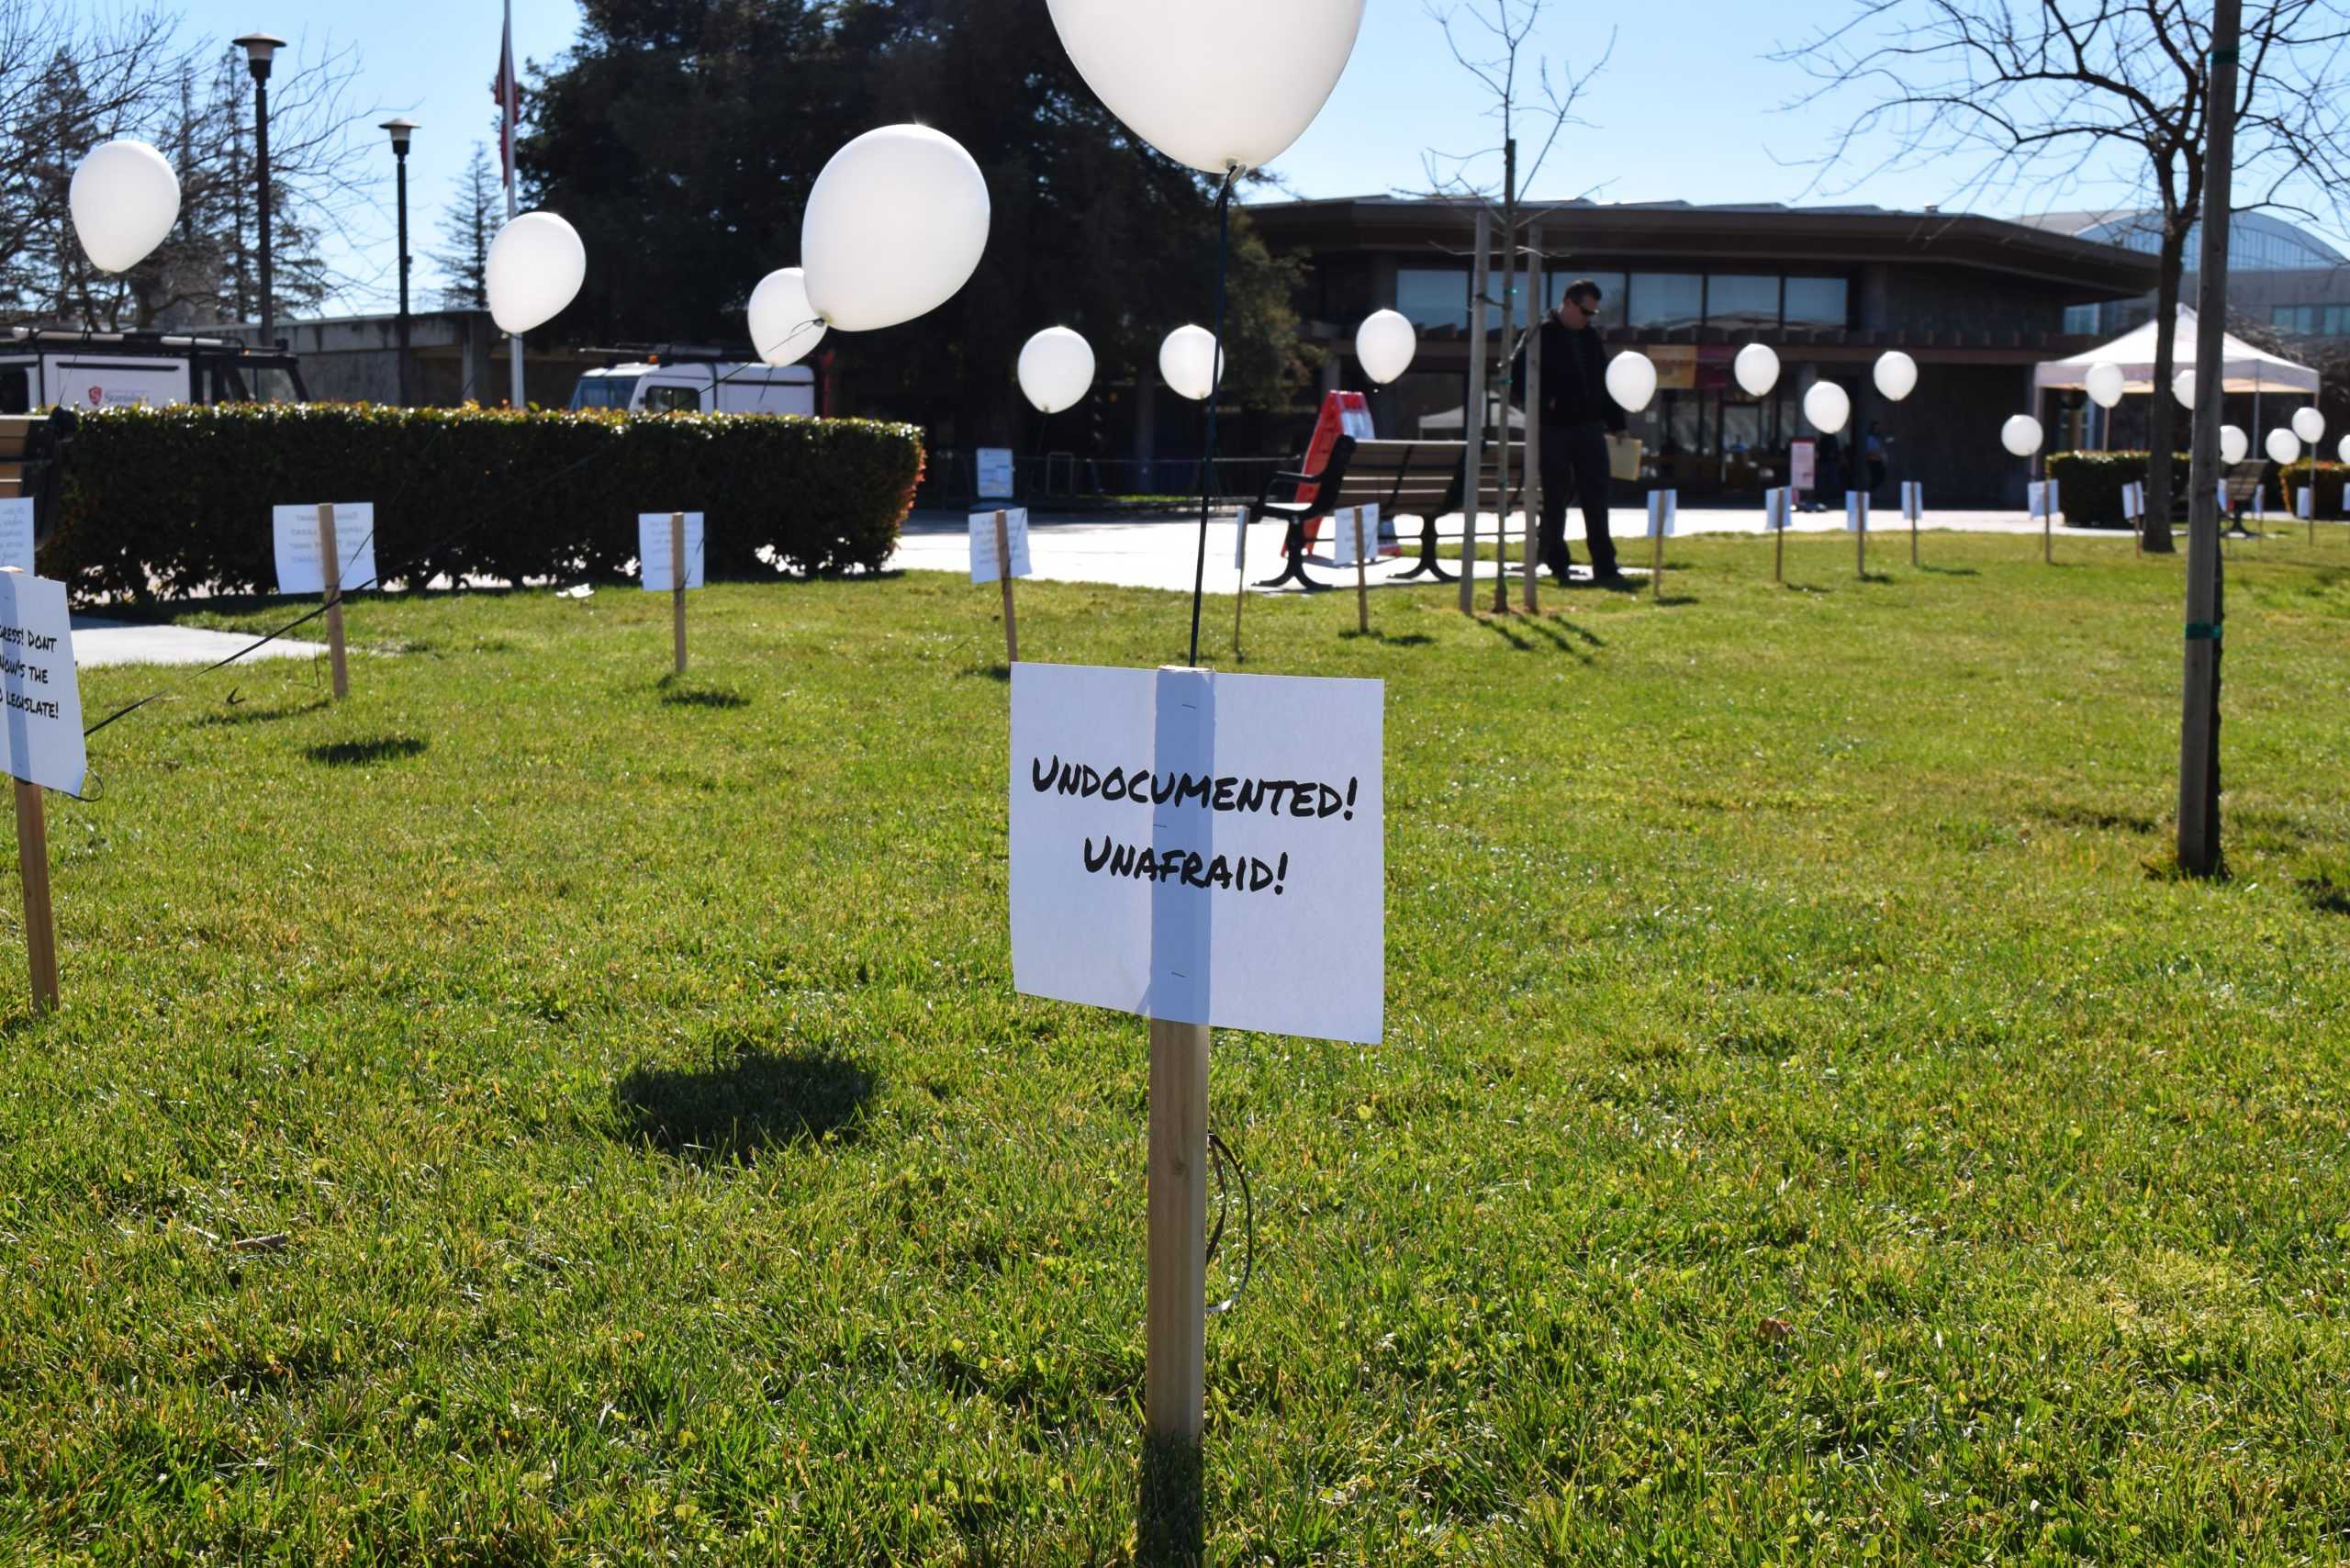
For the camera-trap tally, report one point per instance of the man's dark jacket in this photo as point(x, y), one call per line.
point(1575, 378)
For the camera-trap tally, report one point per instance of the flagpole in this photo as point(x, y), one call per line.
point(509, 100)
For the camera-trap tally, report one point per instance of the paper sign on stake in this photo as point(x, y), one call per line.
point(1015, 529)
point(995, 473)
point(1664, 510)
point(1355, 535)
point(653, 551)
point(2037, 499)
point(1173, 831)
point(41, 732)
point(2305, 503)
point(1857, 512)
point(296, 530)
point(16, 534)
point(1774, 510)
point(1913, 500)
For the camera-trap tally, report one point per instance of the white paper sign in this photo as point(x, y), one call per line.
point(1240, 539)
point(40, 735)
point(1774, 510)
point(654, 548)
point(298, 546)
point(1803, 465)
point(1913, 500)
point(984, 567)
point(2260, 501)
point(1857, 512)
point(2305, 503)
point(1176, 834)
point(995, 473)
point(1664, 510)
point(1354, 538)
point(16, 533)
point(2043, 499)
point(2134, 502)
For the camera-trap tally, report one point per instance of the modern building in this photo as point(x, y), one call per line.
point(2279, 275)
point(1977, 301)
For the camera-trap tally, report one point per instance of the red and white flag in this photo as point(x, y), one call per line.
point(508, 91)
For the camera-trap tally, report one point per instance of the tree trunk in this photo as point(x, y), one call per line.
point(2163, 410)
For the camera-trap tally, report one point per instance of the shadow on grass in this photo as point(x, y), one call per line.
point(1947, 571)
point(1509, 631)
point(1877, 577)
point(701, 697)
point(1408, 640)
point(734, 1110)
point(2326, 896)
point(363, 754)
point(1670, 601)
point(1586, 635)
point(1804, 587)
point(236, 712)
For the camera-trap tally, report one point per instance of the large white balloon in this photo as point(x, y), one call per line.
point(2309, 425)
point(2182, 386)
point(124, 199)
point(2020, 435)
point(1757, 369)
point(2284, 448)
point(1828, 407)
point(1632, 380)
point(895, 225)
point(784, 328)
point(2344, 449)
point(1190, 363)
point(1056, 369)
point(1896, 374)
point(536, 265)
point(2234, 445)
point(1215, 84)
point(1385, 343)
point(2106, 384)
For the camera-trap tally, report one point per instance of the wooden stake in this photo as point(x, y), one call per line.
point(40, 923)
point(1003, 576)
point(1362, 581)
point(330, 565)
point(1531, 487)
point(2048, 533)
point(678, 582)
point(1779, 540)
point(1656, 555)
point(1175, 1324)
point(1861, 540)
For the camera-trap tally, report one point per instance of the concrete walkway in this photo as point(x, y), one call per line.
point(1158, 550)
point(102, 642)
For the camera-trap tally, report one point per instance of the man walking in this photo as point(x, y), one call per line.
point(1577, 417)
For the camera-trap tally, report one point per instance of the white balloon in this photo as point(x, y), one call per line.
point(2309, 425)
point(1828, 407)
point(1056, 369)
point(895, 225)
point(1215, 84)
point(2234, 445)
point(2284, 448)
point(2344, 449)
point(2182, 386)
point(124, 199)
point(535, 267)
point(784, 328)
point(1190, 363)
point(1757, 369)
point(1632, 380)
point(2106, 384)
point(1385, 343)
point(1896, 374)
point(2020, 435)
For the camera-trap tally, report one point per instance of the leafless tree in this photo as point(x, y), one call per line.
point(2046, 95)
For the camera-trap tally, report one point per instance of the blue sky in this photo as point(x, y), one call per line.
point(1691, 106)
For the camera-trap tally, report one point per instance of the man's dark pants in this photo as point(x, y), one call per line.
point(1574, 466)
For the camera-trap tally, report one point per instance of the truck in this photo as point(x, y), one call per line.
point(48, 367)
point(643, 378)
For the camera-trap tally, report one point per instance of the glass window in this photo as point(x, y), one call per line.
point(2337, 320)
point(2080, 319)
point(1738, 300)
point(1818, 302)
point(603, 391)
point(15, 391)
point(1665, 299)
point(1611, 288)
point(672, 400)
point(1433, 297)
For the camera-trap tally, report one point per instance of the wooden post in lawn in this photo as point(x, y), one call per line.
point(1472, 418)
point(1175, 1324)
point(1779, 536)
point(330, 567)
point(1860, 539)
point(1003, 576)
point(1530, 486)
point(677, 583)
point(1656, 550)
point(41, 922)
point(1363, 576)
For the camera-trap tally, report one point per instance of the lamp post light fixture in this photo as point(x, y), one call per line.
point(259, 48)
point(400, 129)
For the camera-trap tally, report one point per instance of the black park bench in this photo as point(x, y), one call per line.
point(1402, 478)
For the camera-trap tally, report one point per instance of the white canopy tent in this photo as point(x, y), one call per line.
point(2247, 369)
point(1453, 418)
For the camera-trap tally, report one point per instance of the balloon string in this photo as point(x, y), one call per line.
point(1215, 386)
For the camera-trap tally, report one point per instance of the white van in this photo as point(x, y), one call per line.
point(718, 387)
point(51, 367)
point(86, 381)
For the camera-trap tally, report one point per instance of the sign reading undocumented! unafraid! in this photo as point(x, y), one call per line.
point(1179, 838)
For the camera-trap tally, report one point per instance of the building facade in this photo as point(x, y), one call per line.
point(1977, 301)
point(2279, 275)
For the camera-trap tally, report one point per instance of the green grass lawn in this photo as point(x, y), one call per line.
point(537, 1111)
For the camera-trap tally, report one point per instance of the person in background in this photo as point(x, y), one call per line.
point(1831, 469)
point(1874, 453)
point(1578, 416)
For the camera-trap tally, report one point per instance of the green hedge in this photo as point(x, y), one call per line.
point(2091, 484)
point(164, 501)
point(2331, 477)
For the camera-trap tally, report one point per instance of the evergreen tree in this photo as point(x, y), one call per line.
point(468, 224)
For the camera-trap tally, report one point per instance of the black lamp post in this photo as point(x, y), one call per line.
point(259, 48)
point(401, 129)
